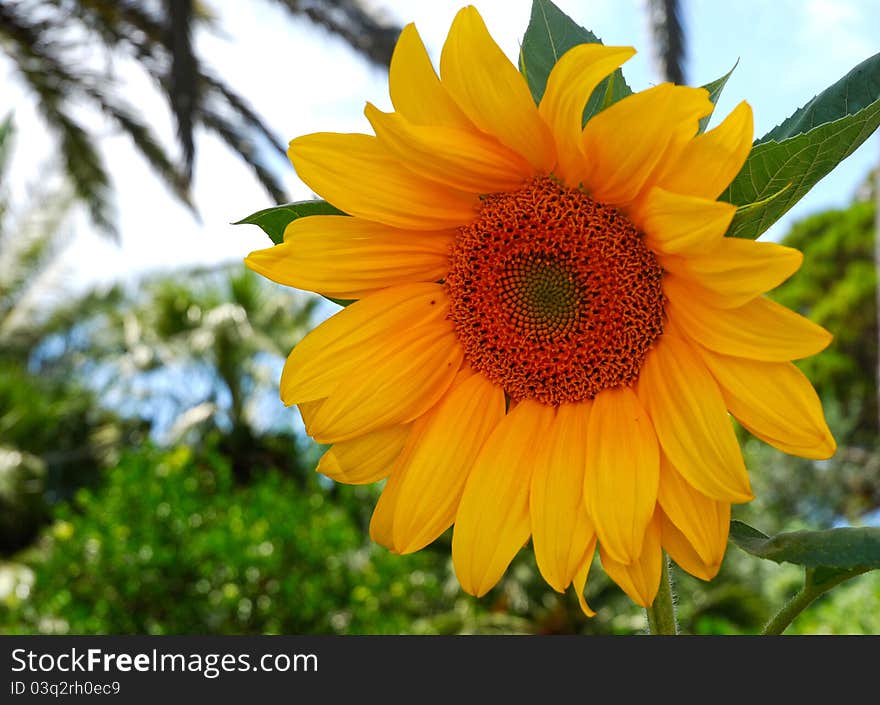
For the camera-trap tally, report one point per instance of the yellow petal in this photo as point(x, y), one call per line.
point(702, 520)
point(437, 470)
point(622, 472)
point(580, 578)
point(382, 521)
point(359, 176)
point(710, 161)
point(571, 81)
point(691, 420)
point(561, 528)
point(352, 338)
point(492, 522)
point(641, 578)
point(775, 401)
point(492, 92)
point(364, 459)
point(682, 552)
point(466, 160)
point(349, 258)
point(628, 142)
point(402, 382)
point(308, 409)
point(735, 270)
point(675, 224)
point(416, 92)
point(760, 329)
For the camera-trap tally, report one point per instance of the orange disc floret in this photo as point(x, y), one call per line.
point(554, 296)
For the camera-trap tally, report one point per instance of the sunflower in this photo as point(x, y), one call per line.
point(550, 330)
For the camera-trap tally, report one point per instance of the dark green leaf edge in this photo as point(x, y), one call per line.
point(800, 161)
point(715, 88)
point(857, 90)
point(834, 551)
point(273, 221)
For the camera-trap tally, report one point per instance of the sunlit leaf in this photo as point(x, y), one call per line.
point(274, 220)
point(806, 147)
point(748, 218)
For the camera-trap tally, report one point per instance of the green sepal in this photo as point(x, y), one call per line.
point(275, 220)
point(549, 35)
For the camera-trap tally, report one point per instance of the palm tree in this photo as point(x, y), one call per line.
point(669, 38)
point(44, 40)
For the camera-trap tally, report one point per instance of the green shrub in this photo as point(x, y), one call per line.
point(170, 544)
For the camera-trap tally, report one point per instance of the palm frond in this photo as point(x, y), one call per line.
point(237, 138)
point(143, 137)
point(362, 29)
point(47, 77)
point(240, 106)
point(182, 78)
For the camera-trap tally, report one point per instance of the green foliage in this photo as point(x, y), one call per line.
point(56, 438)
point(171, 544)
point(790, 159)
point(22, 505)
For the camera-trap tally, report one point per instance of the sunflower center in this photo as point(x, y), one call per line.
point(554, 296)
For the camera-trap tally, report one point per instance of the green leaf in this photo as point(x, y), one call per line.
point(549, 35)
point(749, 217)
point(823, 578)
point(852, 93)
point(806, 147)
point(834, 550)
point(715, 88)
point(274, 220)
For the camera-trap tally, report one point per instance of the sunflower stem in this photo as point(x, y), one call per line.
point(811, 590)
point(792, 609)
point(661, 614)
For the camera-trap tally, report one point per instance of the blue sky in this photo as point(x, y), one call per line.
point(302, 80)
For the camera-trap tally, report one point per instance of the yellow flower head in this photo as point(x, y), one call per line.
point(550, 326)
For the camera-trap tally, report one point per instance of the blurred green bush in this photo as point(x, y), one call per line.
point(171, 544)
